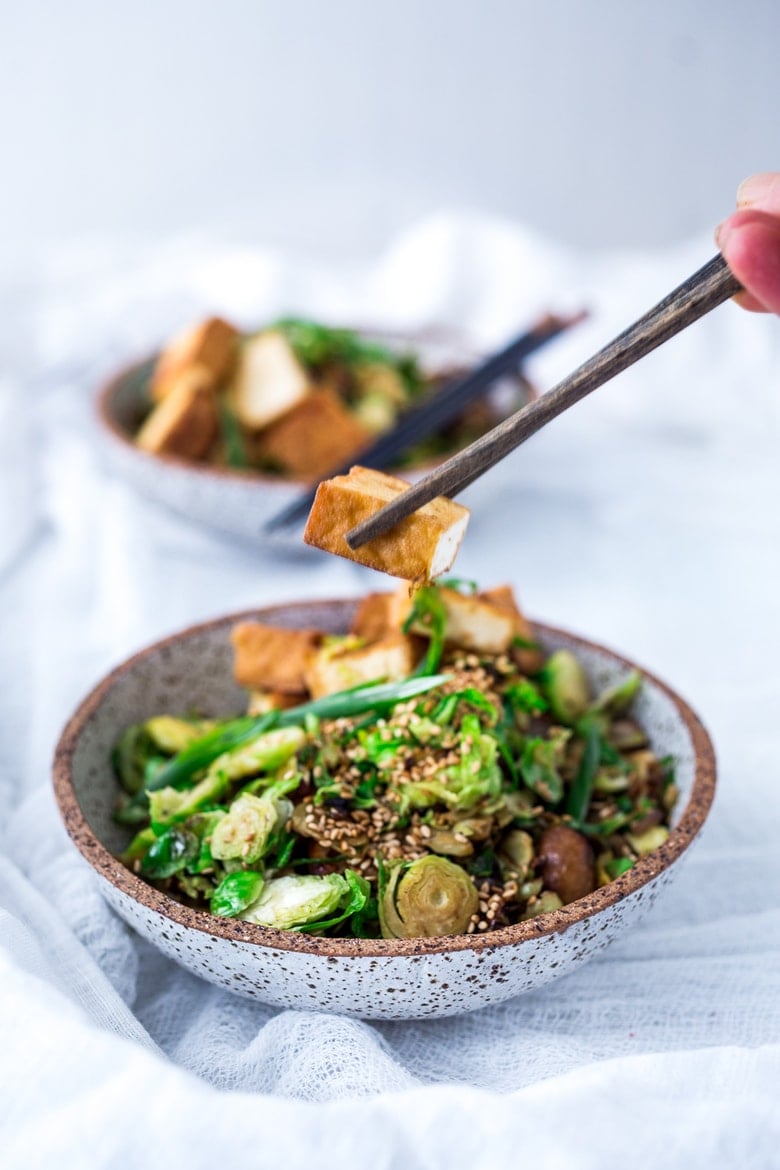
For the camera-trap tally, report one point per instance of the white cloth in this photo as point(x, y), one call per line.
point(647, 518)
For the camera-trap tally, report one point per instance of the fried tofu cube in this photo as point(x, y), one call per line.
point(373, 619)
point(528, 658)
point(420, 547)
point(270, 658)
point(210, 344)
point(315, 436)
point(382, 615)
point(392, 658)
point(269, 380)
point(185, 421)
point(471, 623)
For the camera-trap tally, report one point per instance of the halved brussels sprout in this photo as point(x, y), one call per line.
point(298, 900)
point(626, 735)
point(516, 853)
point(430, 898)
point(566, 686)
point(133, 752)
point(546, 901)
point(448, 842)
point(245, 833)
point(646, 842)
point(617, 699)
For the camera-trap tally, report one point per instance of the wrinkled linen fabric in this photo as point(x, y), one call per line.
point(647, 518)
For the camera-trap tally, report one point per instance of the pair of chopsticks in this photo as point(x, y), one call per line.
point(707, 288)
point(436, 410)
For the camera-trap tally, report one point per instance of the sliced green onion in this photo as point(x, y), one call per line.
point(582, 788)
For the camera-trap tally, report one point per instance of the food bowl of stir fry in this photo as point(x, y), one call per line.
point(229, 427)
point(413, 805)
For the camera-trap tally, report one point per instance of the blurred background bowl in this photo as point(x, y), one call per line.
point(240, 501)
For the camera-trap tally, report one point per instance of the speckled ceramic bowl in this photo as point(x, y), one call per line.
point(235, 501)
point(369, 978)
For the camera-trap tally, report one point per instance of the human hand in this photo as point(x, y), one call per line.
point(750, 242)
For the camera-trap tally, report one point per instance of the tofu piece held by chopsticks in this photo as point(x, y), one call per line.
point(419, 548)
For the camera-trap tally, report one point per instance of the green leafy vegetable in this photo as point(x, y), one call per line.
point(232, 436)
point(230, 735)
point(526, 697)
point(283, 819)
point(236, 893)
point(357, 899)
point(169, 853)
point(580, 791)
point(131, 756)
point(618, 865)
point(299, 900)
point(540, 764)
point(429, 617)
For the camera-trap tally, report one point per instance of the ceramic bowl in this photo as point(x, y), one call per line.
point(391, 979)
point(240, 502)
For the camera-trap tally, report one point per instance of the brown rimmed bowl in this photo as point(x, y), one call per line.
point(391, 979)
point(237, 501)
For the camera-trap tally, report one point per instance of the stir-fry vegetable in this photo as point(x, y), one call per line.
point(489, 786)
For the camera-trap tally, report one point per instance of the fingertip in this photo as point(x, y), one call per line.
point(761, 191)
point(750, 243)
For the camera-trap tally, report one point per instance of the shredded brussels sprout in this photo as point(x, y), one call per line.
point(467, 797)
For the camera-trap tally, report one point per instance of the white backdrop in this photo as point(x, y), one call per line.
point(330, 126)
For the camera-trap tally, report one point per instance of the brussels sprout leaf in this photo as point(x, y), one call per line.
point(171, 852)
point(359, 891)
point(236, 892)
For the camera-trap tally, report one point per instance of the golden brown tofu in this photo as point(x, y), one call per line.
point(185, 422)
point(422, 546)
point(269, 380)
point(475, 624)
point(211, 344)
point(314, 437)
point(392, 658)
point(529, 659)
point(269, 658)
point(374, 617)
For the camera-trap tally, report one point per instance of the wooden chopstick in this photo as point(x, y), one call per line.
point(436, 410)
point(707, 288)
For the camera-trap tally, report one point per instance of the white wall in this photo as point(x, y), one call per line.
point(329, 125)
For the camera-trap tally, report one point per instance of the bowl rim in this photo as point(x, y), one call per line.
point(104, 412)
point(128, 883)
